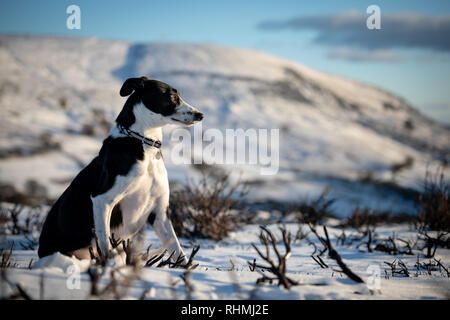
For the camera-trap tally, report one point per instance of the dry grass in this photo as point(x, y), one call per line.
point(434, 203)
point(5, 258)
point(35, 194)
point(362, 218)
point(17, 220)
point(210, 208)
point(314, 211)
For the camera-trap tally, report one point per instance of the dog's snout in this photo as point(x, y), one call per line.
point(198, 116)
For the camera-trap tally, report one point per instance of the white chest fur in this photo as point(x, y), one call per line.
point(150, 189)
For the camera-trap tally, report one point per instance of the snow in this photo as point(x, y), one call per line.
point(332, 130)
point(224, 273)
point(59, 262)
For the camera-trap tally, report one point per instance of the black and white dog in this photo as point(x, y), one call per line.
point(126, 185)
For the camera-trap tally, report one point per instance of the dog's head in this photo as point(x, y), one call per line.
point(162, 101)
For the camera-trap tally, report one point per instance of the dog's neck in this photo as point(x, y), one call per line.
point(150, 133)
point(144, 122)
point(147, 123)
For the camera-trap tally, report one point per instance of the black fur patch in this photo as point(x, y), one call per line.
point(156, 96)
point(159, 97)
point(116, 157)
point(151, 218)
point(126, 117)
point(116, 217)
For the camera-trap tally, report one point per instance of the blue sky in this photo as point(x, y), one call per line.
point(416, 66)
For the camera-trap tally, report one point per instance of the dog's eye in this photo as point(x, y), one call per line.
point(175, 99)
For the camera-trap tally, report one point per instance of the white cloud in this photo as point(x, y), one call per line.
point(358, 55)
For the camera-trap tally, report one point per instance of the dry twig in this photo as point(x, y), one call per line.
point(333, 254)
point(278, 269)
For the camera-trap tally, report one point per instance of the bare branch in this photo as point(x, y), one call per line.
point(278, 269)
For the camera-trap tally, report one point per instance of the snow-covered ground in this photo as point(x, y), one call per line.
point(58, 97)
point(224, 273)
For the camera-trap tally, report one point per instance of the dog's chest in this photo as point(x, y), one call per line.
point(150, 188)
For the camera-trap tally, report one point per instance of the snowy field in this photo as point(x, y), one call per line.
point(224, 272)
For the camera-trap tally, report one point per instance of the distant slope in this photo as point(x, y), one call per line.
point(58, 97)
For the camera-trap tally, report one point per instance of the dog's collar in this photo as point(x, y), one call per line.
point(134, 134)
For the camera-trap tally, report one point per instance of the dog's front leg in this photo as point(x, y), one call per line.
point(164, 229)
point(102, 216)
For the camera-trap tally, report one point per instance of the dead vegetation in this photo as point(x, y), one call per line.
point(41, 144)
point(397, 167)
point(6, 262)
point(362, 218)
point(5, 255)
point(134, 258)
point(434, 203)
point(315, 211)
point(99, 124)
point(391, 246)
point(120, 280)
point(430, 267)
point(433, 224)
point(276, 268)
point(398, 268)
point(186, 277)
point(121, 277)
point(333, 254)
point(171, 262)
point(431, 243)
point(18, 220)
point(210, 208)
point(34, 194)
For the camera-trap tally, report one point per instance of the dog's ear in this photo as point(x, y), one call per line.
point(132, 84)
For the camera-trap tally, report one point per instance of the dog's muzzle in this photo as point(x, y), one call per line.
point(198, 116)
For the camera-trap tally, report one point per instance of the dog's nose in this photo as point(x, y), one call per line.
point(198, 116)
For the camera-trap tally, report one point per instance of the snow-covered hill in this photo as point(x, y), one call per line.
point(58, 97)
